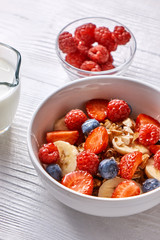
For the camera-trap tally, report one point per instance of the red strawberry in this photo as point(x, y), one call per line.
point(48, 153)
point(88, 161)
point(74, 119)
point(129, 163)
point(79, 181)
point(154, 148)
point(67, 136)
point(157, 160)
point(143, 119)
point(97, 140)
point(97, 108)
point(127, 188)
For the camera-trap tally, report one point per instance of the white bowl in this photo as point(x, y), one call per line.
point(143, 98)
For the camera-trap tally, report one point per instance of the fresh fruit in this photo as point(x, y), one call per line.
point(60, 125)
point(120, 35)
point(85, 33)
point(104, 37)
point(67, 43)
point(68, 156)
point(97, 140)
point(90, 66)
point(55, 171)
point(154, 148)
point(79, 181)
point(117, 110)
point(108, 168)
point(97, 108)
point(157, 160)
point(107, 188)
point(150, 184)
point(129, 163)
point(88, 161)
point(48, 153)
point(75, 59)
point(83, 49)
point(89, 125)
point(143, 119)
point(151, 171)
point(149, 134)
point(98, 54)
point(127, 188)
point(74, 119)
point(107, 66)
point(67, 136)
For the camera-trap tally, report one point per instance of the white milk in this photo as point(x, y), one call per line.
point(9, 96)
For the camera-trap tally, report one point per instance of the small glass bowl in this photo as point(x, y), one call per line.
point(123, 56)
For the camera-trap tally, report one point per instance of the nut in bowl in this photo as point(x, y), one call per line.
point(95, 46)
point(104, 194)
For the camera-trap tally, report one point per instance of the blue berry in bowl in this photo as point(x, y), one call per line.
point(55, 171)
point(108, 168)
point(89, 125)
point(150, 184)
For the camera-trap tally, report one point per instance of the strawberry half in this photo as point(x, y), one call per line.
point(67, 136)
point(97, 140)
point(97, 108)
point(143, 119)
point(127, 188)
point(154, 148)
point(129, 163)
point(79, 181)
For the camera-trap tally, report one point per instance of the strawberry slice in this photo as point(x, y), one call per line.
point(127, 188)
point(67, 136)
point(97, 140)
point(143, 119)
point(79, 181)
point(129, 163)
point(97, 108)
point(154, 148)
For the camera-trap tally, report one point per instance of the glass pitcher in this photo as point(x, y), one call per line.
point(10, 61)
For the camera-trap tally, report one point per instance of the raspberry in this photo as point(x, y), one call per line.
point(149, 134)
point(98, 54)
point(85, 33)
point(74, 119)
point(107, 66)
point(67, 43)
point(157, 160)
point(75, 59)
point(90, 66)
point(83, 48)
point(104, 37)
point(117, 110)
point(48, 153)
point(88, 161)
point(120, 35)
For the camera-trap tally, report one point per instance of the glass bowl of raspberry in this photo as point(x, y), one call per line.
point(95, 145)
point(95, 46)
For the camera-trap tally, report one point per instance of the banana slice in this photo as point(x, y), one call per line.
point(60, 124)
point(68, 156)
point(107, 188)
point(120, 147)
point(151, 171)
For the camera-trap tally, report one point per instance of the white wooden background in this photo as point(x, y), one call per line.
point(26, 209)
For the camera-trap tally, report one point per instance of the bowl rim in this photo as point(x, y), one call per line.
point(37, 164)
point(111, 71)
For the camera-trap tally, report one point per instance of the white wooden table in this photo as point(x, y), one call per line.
point(27, 211)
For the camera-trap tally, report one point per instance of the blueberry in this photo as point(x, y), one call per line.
point(89, 125)
point(108, 168)
point(150, 184)
point(55, 171)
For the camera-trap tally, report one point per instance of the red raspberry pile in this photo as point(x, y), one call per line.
point(80, 51)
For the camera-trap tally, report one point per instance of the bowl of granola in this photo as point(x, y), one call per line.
point(98, 149)
point(95, 46)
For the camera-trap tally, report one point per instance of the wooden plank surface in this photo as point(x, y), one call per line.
point(27, 211)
